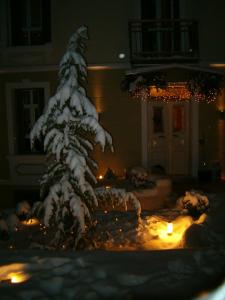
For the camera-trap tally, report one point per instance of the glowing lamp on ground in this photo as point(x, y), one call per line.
point(14, 273)
point(30, 222)
point(18, 277)
point(169, 228)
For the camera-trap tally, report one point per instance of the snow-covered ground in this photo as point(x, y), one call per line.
point(170, 274)
point(136, 274)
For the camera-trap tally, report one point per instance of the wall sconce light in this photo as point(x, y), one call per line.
point(221, 114)
point(121, 55)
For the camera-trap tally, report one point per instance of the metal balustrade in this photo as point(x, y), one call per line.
point(163, 40)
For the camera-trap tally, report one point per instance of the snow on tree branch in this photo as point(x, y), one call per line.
point(118, 197)
point(65, 125)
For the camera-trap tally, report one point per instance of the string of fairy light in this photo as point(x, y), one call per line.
point(171, 93)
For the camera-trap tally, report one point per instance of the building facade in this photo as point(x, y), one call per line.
point(127, 38)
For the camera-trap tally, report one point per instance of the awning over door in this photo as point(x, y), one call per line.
point(203, 83)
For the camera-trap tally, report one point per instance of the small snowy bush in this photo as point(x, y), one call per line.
point(138, 176)
point(114, 197)
point(194, 203)
point(70, 128)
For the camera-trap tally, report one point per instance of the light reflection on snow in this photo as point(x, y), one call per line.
point(15, 273)
point(218, 294)
point(154, 233)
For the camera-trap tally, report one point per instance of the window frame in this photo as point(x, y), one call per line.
point(11, 114)
point(30, 28)
point(30, 108)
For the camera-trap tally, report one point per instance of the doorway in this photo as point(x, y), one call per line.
point(168, 136)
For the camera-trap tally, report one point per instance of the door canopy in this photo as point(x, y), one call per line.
point(153, 83)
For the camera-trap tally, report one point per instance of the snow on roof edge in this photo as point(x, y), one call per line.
point(155, 68)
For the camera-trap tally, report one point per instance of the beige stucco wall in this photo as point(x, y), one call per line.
point(108, 30)
point(211, 24)
point(4, 171)
point(107, 23)
point(212, 133)
point(119, 114)
point(15, 78)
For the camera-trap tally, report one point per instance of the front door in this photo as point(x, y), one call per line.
point(168, 132)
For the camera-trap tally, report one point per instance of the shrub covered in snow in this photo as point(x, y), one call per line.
point(194, 203)
point(114, 197)
point(138, 176)
point(70, 128)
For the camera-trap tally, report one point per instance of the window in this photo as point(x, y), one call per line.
point(161, 34)
point(158, 124)
point(30, 22)
point(178, 118)
point(160, 9)
point(29, 104)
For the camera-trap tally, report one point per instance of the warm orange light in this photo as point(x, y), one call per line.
point(159, 234)
point(108, 187)
point(14, 273)
point(100, 177)
point(18, 277)
point(155, 233)
point(172, 91)
point(218, 65)
point(169, 228)
point(30, 222)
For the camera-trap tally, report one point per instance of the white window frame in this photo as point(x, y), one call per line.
point(10, 88)
point(29, 29)
point(31, 106)
point(25, 170)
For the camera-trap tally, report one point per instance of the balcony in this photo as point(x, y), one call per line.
point(163, 41)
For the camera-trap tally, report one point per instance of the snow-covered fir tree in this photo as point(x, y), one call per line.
point(70, 128)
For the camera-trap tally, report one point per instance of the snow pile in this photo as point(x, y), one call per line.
point(114, 197)
point(194, 203)
point(70, 129)
point(153, 231)
point(138, 176)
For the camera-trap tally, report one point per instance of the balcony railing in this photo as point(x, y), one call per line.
point(154, 41)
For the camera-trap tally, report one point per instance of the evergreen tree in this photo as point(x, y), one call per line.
point(70, 128)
